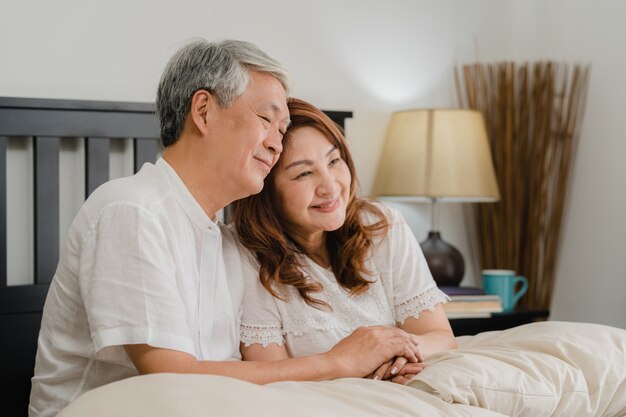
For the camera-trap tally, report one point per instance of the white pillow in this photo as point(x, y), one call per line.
point(539, 369)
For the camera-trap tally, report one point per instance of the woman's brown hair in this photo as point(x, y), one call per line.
point(261, 230)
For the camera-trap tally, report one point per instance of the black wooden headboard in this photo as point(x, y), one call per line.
point(46, 122)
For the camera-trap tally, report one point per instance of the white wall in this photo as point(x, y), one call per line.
point(591, 276)
point(367, 56)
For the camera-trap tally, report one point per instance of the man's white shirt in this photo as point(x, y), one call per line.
point(143, 264)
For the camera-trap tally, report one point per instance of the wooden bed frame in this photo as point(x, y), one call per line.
point(46, 121)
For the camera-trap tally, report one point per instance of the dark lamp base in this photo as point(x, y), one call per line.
point(444, 260)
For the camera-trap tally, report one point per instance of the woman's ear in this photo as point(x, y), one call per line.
point(202, 103)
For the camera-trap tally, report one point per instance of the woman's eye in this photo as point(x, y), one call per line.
point(303, 174)
point(267, 119)
point(335, 161)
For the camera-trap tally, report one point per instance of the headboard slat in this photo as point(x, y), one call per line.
point(144, 150)
point(96, 163)
point(3, 212)
point(46, 165)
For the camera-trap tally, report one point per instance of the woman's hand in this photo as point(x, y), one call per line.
point(407, 372)
point(392, 368)
point(367, 347)
point(398, 370)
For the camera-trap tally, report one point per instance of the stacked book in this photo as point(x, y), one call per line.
point(470, 302)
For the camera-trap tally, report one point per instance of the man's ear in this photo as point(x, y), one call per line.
point(202, 103)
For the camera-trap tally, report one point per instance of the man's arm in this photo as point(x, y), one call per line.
point(355, 356)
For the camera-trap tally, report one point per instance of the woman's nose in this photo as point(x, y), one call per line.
point(327, 186)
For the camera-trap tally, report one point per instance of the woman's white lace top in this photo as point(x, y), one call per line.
point(402, 287)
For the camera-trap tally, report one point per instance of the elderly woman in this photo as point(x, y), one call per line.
point(325, 262)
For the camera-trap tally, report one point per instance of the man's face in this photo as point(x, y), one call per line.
point(248, 134)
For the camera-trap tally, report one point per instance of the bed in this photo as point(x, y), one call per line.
point(550, 368)
point(539, 369)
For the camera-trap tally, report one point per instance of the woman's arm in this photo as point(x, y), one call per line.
point(433, 331)
point(414, 289)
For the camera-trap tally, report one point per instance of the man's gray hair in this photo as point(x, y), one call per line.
point(221, 67)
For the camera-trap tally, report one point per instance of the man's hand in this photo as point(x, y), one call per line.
point(368, 347)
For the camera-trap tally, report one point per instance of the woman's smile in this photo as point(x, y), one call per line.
point(327, 206)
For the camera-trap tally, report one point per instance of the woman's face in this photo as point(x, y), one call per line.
point(312, 183)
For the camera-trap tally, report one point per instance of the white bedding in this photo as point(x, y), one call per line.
point(541, 369)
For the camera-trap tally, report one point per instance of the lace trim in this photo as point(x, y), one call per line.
point(261, 335)
point(427, 300)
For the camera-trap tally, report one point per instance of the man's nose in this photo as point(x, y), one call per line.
point(274, 142)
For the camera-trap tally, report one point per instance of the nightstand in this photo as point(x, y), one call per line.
point(499, 321)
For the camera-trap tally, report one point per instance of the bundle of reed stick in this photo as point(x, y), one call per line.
point(533, 114)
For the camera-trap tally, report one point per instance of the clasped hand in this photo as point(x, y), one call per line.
point(367, 347)
point(398, 370)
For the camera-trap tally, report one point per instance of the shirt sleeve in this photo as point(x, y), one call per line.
point(128, 284)
point(414, 289)
point(260, 321)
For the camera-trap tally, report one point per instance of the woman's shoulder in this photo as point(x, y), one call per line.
point(374, 211)
point(232, 245)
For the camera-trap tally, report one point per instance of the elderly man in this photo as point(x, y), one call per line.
point(141, 284)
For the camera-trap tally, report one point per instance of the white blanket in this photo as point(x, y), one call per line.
point(541, 369)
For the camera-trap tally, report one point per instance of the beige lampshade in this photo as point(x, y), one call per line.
point(437, 153)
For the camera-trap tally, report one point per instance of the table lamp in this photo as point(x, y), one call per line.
point(442, 155)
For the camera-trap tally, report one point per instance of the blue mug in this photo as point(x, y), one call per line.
point(502, 282)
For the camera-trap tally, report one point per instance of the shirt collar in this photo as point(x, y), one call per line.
point(185, 199)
